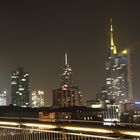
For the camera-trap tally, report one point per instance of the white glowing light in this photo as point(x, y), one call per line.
point(9, 123)
point(39, 125)
point(98, 130)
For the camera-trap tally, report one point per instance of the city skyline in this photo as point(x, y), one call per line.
point(36, 36)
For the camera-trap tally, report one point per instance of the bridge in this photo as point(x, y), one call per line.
point(36, 129)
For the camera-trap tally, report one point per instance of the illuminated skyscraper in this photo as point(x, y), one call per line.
point(3, 98)
point(66, 76)
point(20, 87)
point(118, 73)
point(37, 98)
point(67, 95)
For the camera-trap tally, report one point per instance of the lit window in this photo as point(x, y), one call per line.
point(21, 89)
point(13, 83)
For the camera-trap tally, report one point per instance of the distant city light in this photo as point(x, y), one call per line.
point(137, 103)
point(124, 51)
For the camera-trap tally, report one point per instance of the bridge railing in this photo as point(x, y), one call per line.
point(13, 133)
point(71, 120)
point(28, 128)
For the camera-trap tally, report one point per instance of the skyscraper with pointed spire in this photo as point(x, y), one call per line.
point(67, 95)
point(118, 72)
point(66, 75)
point(113, 49)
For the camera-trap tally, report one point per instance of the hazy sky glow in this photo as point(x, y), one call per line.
point(36, 34)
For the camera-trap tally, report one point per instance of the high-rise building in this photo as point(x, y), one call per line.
point(3, 98)
point(103, 94)
point(118, 73)
point(20, 87)
point(66, 75)
point(37, 98)
point(67, 95)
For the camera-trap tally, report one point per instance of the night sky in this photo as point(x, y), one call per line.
point(36, 34)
